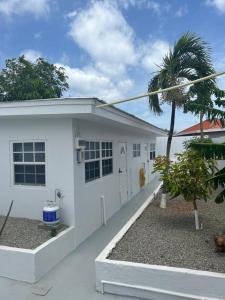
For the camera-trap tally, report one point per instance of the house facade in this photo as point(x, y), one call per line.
point(92, 155)
point(213, 129)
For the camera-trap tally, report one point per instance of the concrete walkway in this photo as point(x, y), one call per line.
point(74, 277)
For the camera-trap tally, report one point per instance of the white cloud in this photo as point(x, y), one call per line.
point(104, 34)
point(31, 55)
point(114, 52)
point(152, 54)
point(144, 4)
point(38, 8)
point(88, 82)
point(182, 11)
point(218, 4)
point(71, 14)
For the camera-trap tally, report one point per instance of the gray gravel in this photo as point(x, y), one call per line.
point(168, 237)
point(23, 233)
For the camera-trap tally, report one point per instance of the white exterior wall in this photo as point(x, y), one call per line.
point(177, 146)
point(29, 200)
point(82, 204)
point(88, 195)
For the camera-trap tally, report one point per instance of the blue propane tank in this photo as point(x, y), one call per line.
point(51, 213)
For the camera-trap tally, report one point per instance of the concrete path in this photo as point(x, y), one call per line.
point(74, 277)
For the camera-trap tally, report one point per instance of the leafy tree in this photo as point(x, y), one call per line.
point(215, 151)
point(188, 176)
point(188, 58)
point(206, 95)
point(24, 80)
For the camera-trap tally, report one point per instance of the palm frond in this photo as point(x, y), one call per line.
point(209, 150)
point(154, 99)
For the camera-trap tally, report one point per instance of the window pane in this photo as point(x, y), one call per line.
point(107, 166)
point(92, 170)
point(86, 155)
point(92, 155)
point(19, 178)
point(40, 169)
point(29, 169)
point(30, 178)
point(17, 147)
point(28, 147)
point(28, 157)
point(40, 157)
point(39, 146)
point(92, 145)
point(17, 157)
point(19, 168)
point(40, 179)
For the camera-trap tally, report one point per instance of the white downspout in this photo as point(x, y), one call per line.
point(103, 210)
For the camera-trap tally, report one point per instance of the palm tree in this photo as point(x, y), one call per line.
point(189, 57)
point(203, 103)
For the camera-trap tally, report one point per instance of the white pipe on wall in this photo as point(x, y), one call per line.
point(103, 210)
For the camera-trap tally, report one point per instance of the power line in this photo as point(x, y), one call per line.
point(163, 90)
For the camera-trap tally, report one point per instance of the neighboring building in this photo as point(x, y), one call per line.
point(93, 155)
point(212, 129)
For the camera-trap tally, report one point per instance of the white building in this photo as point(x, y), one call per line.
point(93, 155)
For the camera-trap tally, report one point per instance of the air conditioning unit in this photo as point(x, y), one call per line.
point(79, 150)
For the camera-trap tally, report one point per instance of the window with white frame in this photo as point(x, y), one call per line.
point(98, 158)
point(136, 150)
point(29, 163)
point(152, 151)
point(107, 160)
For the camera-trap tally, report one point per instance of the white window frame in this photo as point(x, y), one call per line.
point(12, 162)
point(106, 157)
point(100, 158)
point(152, 152)
point(136, 150)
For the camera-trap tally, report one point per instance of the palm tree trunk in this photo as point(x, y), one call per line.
point(170, 135)
point(201, 125)
point(168, 147)
point(197, 225)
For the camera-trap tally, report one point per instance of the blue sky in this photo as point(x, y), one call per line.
point(110, 49)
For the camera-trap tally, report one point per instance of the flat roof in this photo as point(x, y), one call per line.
point(66, 106)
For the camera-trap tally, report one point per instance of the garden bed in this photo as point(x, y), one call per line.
point(167, 237)
point(24, 233)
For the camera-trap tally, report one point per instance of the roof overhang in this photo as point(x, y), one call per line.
point(73, 107)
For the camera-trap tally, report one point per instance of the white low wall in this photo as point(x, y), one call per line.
point(154, 282)
point(31, 265)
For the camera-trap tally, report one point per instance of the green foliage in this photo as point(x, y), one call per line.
point(213, 151)
point(23, 80)
point(189, 57)
point(209, 150)
point(161, 165)
point(188, 176)
point(196, 140)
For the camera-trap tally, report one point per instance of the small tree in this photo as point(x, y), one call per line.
point(24, 80)
point(188, 176)
point(186, 60)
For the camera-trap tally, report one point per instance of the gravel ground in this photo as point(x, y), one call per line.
point(168, 237)
point(23, 233)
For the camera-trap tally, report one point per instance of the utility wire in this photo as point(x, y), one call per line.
point(163, 90)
